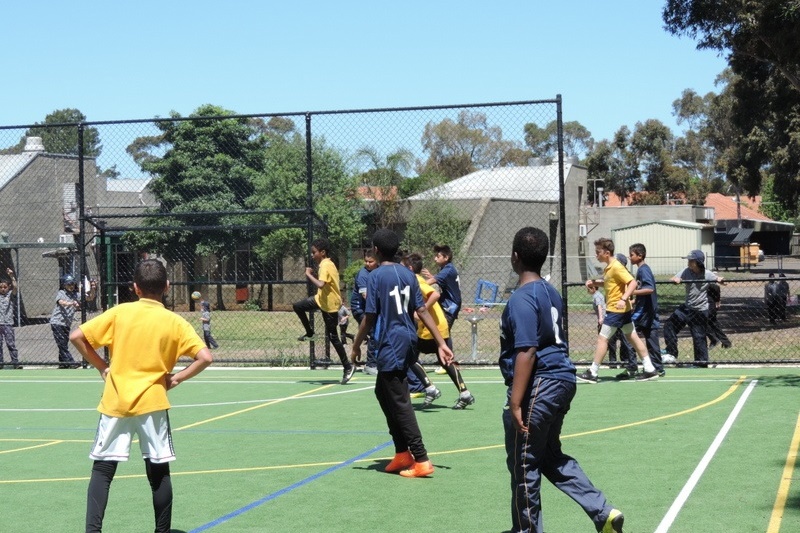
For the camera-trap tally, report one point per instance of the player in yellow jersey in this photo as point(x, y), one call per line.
point(144, 340)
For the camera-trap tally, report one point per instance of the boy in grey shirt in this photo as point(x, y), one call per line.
point(694, 312)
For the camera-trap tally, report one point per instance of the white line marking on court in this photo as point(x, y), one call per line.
point(238, 402)
point(673, 511)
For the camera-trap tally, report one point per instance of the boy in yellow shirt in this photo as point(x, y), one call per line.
point(619, 285)
point(145, 340)
point(328, 300)
point(426, 343)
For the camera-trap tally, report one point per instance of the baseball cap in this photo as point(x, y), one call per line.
point(697, 255)
point(622, 259)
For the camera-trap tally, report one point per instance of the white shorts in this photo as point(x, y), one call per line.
point(114, 436)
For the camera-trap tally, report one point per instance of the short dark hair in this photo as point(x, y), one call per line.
point(531, 246)
point(638, 249)
point(150, 276)
point(414, 261)
point(387, 242)
point(322, 245)
point(369, 254)
point(444, 250)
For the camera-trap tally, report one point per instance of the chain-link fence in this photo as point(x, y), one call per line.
point(233, 203)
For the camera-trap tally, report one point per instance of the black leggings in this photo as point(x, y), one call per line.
point(100, 483)
point(331, 321)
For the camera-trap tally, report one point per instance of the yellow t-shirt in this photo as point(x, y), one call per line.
point(436, 312)
point(328, 298)
point(615, 279)
point(145, 341)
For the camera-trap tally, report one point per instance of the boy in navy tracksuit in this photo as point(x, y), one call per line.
point(541, 384)
point(393, 295)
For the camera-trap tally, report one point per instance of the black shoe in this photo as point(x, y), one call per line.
point(348, 374)
point(627, 374)
point(69, 365)
point(647, 376)
point(323, 362)
point(17, 366)
point(586, 377)
point(712, 345)
point(303, 338)
point(727, 345)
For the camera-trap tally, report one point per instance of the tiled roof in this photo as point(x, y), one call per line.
point(725, 207)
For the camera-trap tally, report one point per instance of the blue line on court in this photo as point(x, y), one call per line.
point(288, 489)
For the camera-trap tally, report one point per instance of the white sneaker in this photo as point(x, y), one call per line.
point(371, 370)
point(668, 358)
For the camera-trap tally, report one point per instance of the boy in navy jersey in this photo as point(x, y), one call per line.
point(393, 294)
point(541, 384)
point(448, 281)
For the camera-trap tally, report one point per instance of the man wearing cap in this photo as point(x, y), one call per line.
point(694, 312)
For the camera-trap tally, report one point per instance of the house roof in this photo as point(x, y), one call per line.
point(725, 207)
point(675, 223)
point(533, 184)
point(127, 185)
point(11, 165)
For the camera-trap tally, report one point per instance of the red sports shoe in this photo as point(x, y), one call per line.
point(400, 462)
point(418, 470)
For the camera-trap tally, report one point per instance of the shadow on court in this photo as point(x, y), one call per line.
point(785, 380)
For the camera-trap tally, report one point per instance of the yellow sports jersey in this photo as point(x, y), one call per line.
point(615, 279)
point(145, 341)
point(328, 298)
point(436, 312)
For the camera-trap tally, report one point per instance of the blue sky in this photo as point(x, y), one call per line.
point(612, 62)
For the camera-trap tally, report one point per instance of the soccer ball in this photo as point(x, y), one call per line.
point(196, 295)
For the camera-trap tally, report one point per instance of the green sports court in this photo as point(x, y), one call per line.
point(292, 450)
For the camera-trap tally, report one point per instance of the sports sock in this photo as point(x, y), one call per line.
point(418, 371)
point(648, 364)
point(97, 495)
point(161, 485)
point(594, 368)
point(455, 376)
point(430, 389)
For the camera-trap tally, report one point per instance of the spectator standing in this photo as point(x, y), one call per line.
point(694, 312)
point(783, 293)
point(8, 291)
point(205, 321)
point(67, 302)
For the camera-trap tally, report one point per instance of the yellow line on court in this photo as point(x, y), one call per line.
point(727, 393)
point(664, 417)
point(786, 481)
point(615, 428)
point(267, 404)
point(50, 443)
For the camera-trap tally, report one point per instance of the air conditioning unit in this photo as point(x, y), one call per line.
point(582, 232)
point(66, 238)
